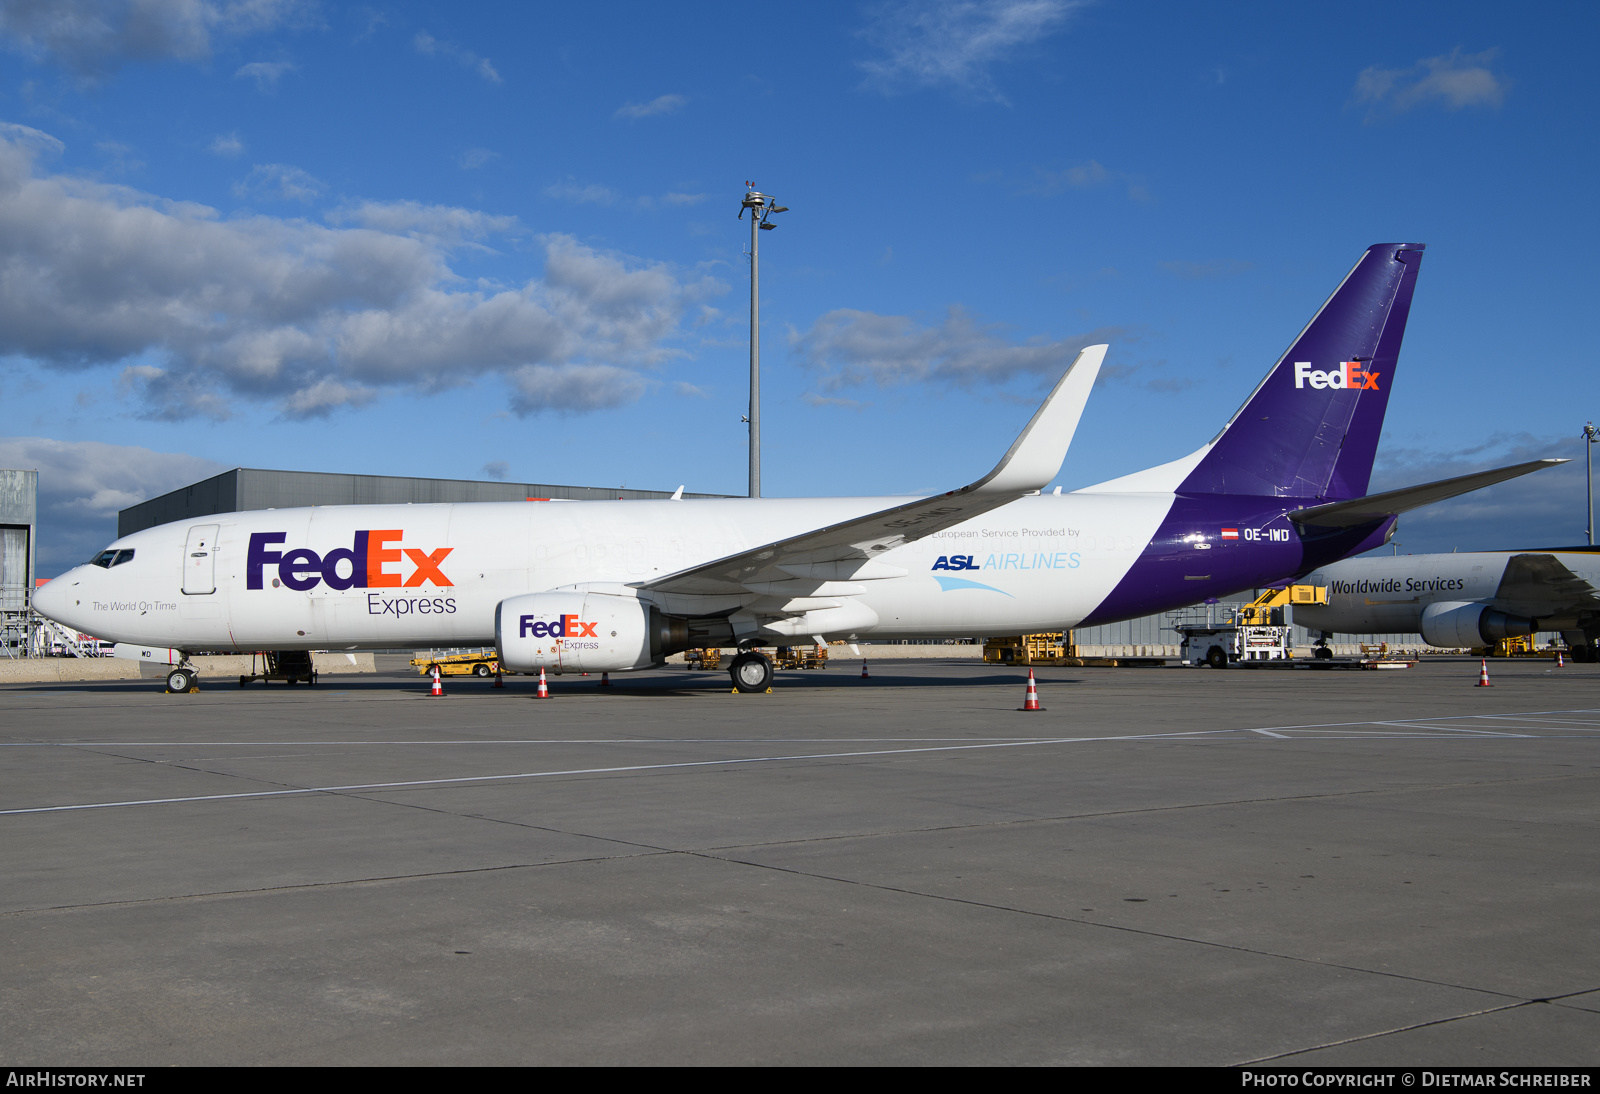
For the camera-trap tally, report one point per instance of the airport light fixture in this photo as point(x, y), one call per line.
point(761, 207)
point(1591, 435)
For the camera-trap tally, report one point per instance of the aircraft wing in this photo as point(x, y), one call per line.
point(1536, 585)
point(1375, 507)
point(845, 551)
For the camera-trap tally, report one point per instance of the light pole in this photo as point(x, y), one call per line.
point(761, 207)
point(1591, 435)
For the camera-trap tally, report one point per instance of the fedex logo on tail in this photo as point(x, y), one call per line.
point(368, 559)
point(1350, 375)
point(566, 626)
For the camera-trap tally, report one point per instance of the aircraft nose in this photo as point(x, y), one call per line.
point(53, 598)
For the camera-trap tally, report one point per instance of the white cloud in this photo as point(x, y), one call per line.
point(429, 46)
point(201, 311)
point(595, 194)
point(1084, 176)
point(497, 469)
point(278, 182)
point(264, 73)
point(1455, 80)
point(95, 37)
point(227, 145)
point(857, 347)
point(474, 158)
point(573, 389)
point(444, 226)
point(955, 43)
point(661, 104)
point(83, 484)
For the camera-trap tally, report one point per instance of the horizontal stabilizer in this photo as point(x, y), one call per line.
point(1376, 507)
point(1032, 461)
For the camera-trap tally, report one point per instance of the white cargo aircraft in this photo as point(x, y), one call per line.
point(1470, 599)
point(612, 586)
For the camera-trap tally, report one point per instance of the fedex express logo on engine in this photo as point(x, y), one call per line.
point(1350, 375)
point(368, 563)
point(566, 626)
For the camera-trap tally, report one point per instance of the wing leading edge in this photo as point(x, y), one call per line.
point(847, 551)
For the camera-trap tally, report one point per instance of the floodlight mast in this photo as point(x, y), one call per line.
point(1591, 437)
point(761, 207)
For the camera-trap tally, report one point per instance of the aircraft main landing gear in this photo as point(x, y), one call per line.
point(751, 672)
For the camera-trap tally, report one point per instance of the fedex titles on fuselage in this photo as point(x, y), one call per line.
point(365, 564)
point(1350, 375)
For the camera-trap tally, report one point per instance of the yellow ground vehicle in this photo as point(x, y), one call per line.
point(479, 662)
point(708, 658)
point(802, 657)
point(1045, 648)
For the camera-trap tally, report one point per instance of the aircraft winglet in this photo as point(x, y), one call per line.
point(1026, 468)
point(1039, 451)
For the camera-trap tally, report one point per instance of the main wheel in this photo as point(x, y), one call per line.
point(180, 680)
point(1217, 658)
point(751, 672)
point(481, 670)
point(1323, 653)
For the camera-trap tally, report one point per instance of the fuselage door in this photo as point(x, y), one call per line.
point(200, 560)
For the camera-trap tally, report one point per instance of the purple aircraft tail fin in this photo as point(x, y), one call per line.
point(1311, 429)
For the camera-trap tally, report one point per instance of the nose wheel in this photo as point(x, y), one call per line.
point(751, 672)
point(181, 681)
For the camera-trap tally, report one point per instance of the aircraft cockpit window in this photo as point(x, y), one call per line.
point(108, 559)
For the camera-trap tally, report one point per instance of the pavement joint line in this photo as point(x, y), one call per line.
point(629, 768)
point(1143, 931)
point(1389, 1032)
point(220, 894)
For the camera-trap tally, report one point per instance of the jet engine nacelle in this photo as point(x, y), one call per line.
point(583, 631)
point(1455, 623)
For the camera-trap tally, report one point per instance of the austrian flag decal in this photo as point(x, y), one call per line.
point(1230, 533)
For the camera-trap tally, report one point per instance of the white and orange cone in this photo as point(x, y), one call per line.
point(1483, 674)
point(864, 675)
point(605, 679)
point(544, 689)
point(438, 688)
point(1561, 662)
point(1032, 700)
point(498, 682)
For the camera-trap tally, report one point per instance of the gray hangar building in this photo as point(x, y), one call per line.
point(247, 488)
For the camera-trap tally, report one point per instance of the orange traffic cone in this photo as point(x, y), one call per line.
point(544, 690)
point(605, 679)
point(498, 682)
point(864, 675)
point(1032, 700)
point(438, 689)
point(1560, 661)
point(1483, 674)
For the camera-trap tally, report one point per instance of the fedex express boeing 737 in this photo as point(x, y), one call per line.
point(612, 586)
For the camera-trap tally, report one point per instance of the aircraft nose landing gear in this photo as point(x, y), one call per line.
point(181, 681)
point(751, 671)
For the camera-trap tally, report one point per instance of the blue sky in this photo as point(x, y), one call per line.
point(499, 240)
